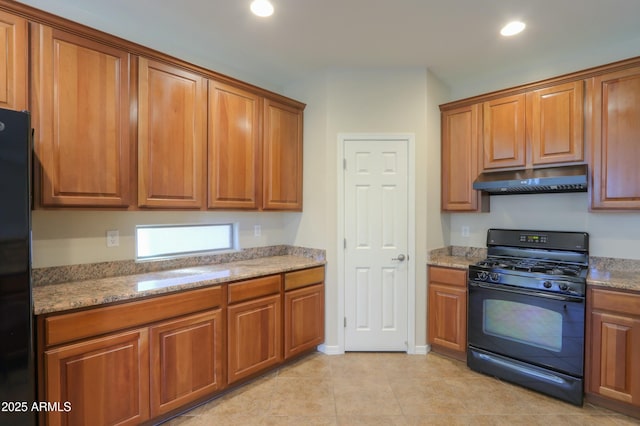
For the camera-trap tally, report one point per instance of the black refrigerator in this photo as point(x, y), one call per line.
point(17, 371)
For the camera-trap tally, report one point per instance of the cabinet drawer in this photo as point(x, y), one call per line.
point(457, 277)
point(626, 303)
point(303, 278)
point(251, 289)
point(94, 322)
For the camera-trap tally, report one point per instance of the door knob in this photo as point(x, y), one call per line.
point(400, 257)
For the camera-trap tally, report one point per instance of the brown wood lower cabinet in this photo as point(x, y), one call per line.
point(146, 360)
point(186, 360)
point(303, 311)
point(304, 319)
point(105, 380)
point(255, 335)
point(613, 349)
point(447, 311)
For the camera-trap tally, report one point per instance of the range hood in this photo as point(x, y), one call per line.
point(534, 181)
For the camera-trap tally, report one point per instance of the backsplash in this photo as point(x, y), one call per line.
point(60, 274)
point(459, 251)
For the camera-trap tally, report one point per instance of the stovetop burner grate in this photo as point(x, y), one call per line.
point(532, 265)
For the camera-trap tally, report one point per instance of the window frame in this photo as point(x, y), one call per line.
point(232, 246)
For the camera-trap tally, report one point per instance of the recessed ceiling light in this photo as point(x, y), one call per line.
point(512, 28)
point(262, 8)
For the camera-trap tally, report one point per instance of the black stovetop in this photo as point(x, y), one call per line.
point(548, 261)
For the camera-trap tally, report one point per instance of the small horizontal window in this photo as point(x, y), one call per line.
point(160, 241)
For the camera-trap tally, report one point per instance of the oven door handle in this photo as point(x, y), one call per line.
point(552, 296)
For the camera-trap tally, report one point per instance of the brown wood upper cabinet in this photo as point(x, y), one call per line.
point(282, 157)
point(537, 128)
point(461, 159)
point(234, 147)
point(615, 134)
point(504, 132)
point(80, 107)
point(13, 62)
point(172, 106)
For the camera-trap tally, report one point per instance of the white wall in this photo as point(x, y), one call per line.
point(67, 237)
point(368, 101)
point(610, 234)
point(566, 63)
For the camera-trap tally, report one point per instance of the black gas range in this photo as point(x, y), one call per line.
point(526, 310)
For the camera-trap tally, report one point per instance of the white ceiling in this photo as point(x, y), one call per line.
point(457, 39)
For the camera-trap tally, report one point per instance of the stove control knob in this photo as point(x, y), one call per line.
point(494, 276)
point(564, 287)
point(482, 276)
point(547, 284)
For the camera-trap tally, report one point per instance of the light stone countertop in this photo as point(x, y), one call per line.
point(81, 294)
point(603, 274)
point(616, 279)
point(449, 261)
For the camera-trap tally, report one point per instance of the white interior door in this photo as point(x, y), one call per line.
point(376, 244)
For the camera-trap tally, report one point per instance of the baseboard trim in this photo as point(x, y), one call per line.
point(330, 349)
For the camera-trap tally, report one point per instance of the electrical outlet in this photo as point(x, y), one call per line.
point(257, 230)
point(465, 231)
point(113, 238)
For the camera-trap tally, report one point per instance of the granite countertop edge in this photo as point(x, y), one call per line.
point(57, 298)
point(598, 276)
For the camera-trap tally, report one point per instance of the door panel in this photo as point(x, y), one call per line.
point(376, 233)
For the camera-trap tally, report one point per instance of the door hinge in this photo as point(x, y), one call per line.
point(344, 163)
point(345, 322)
point(345, 243)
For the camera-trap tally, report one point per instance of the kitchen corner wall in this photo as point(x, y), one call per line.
point(385, 100)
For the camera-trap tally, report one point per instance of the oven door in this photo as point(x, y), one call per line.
point(530, 326)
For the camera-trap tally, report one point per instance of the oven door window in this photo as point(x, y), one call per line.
point(523, 323)
point(539, 330)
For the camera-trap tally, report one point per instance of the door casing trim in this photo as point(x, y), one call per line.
point(411, 238)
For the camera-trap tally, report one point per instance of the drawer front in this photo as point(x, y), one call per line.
point(303, 278)
point(94, 322)
point(251, 289)
point(457, 277)
point(617, 301)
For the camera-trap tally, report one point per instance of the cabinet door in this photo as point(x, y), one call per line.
point(461, 159)
point(80, 105)
point(615, 136)
point(615, 351)
point(447, 310)
point(13, 62)
point(448, 317)
point(282, 157)
point(555, 123)
point(504, 134)
point(172, 106)
point(254, 337)
point(234, 147)
point(303, 319)
point(106, 380)
point(186, 360)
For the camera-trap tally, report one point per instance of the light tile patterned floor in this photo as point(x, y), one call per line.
point(388, 389)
